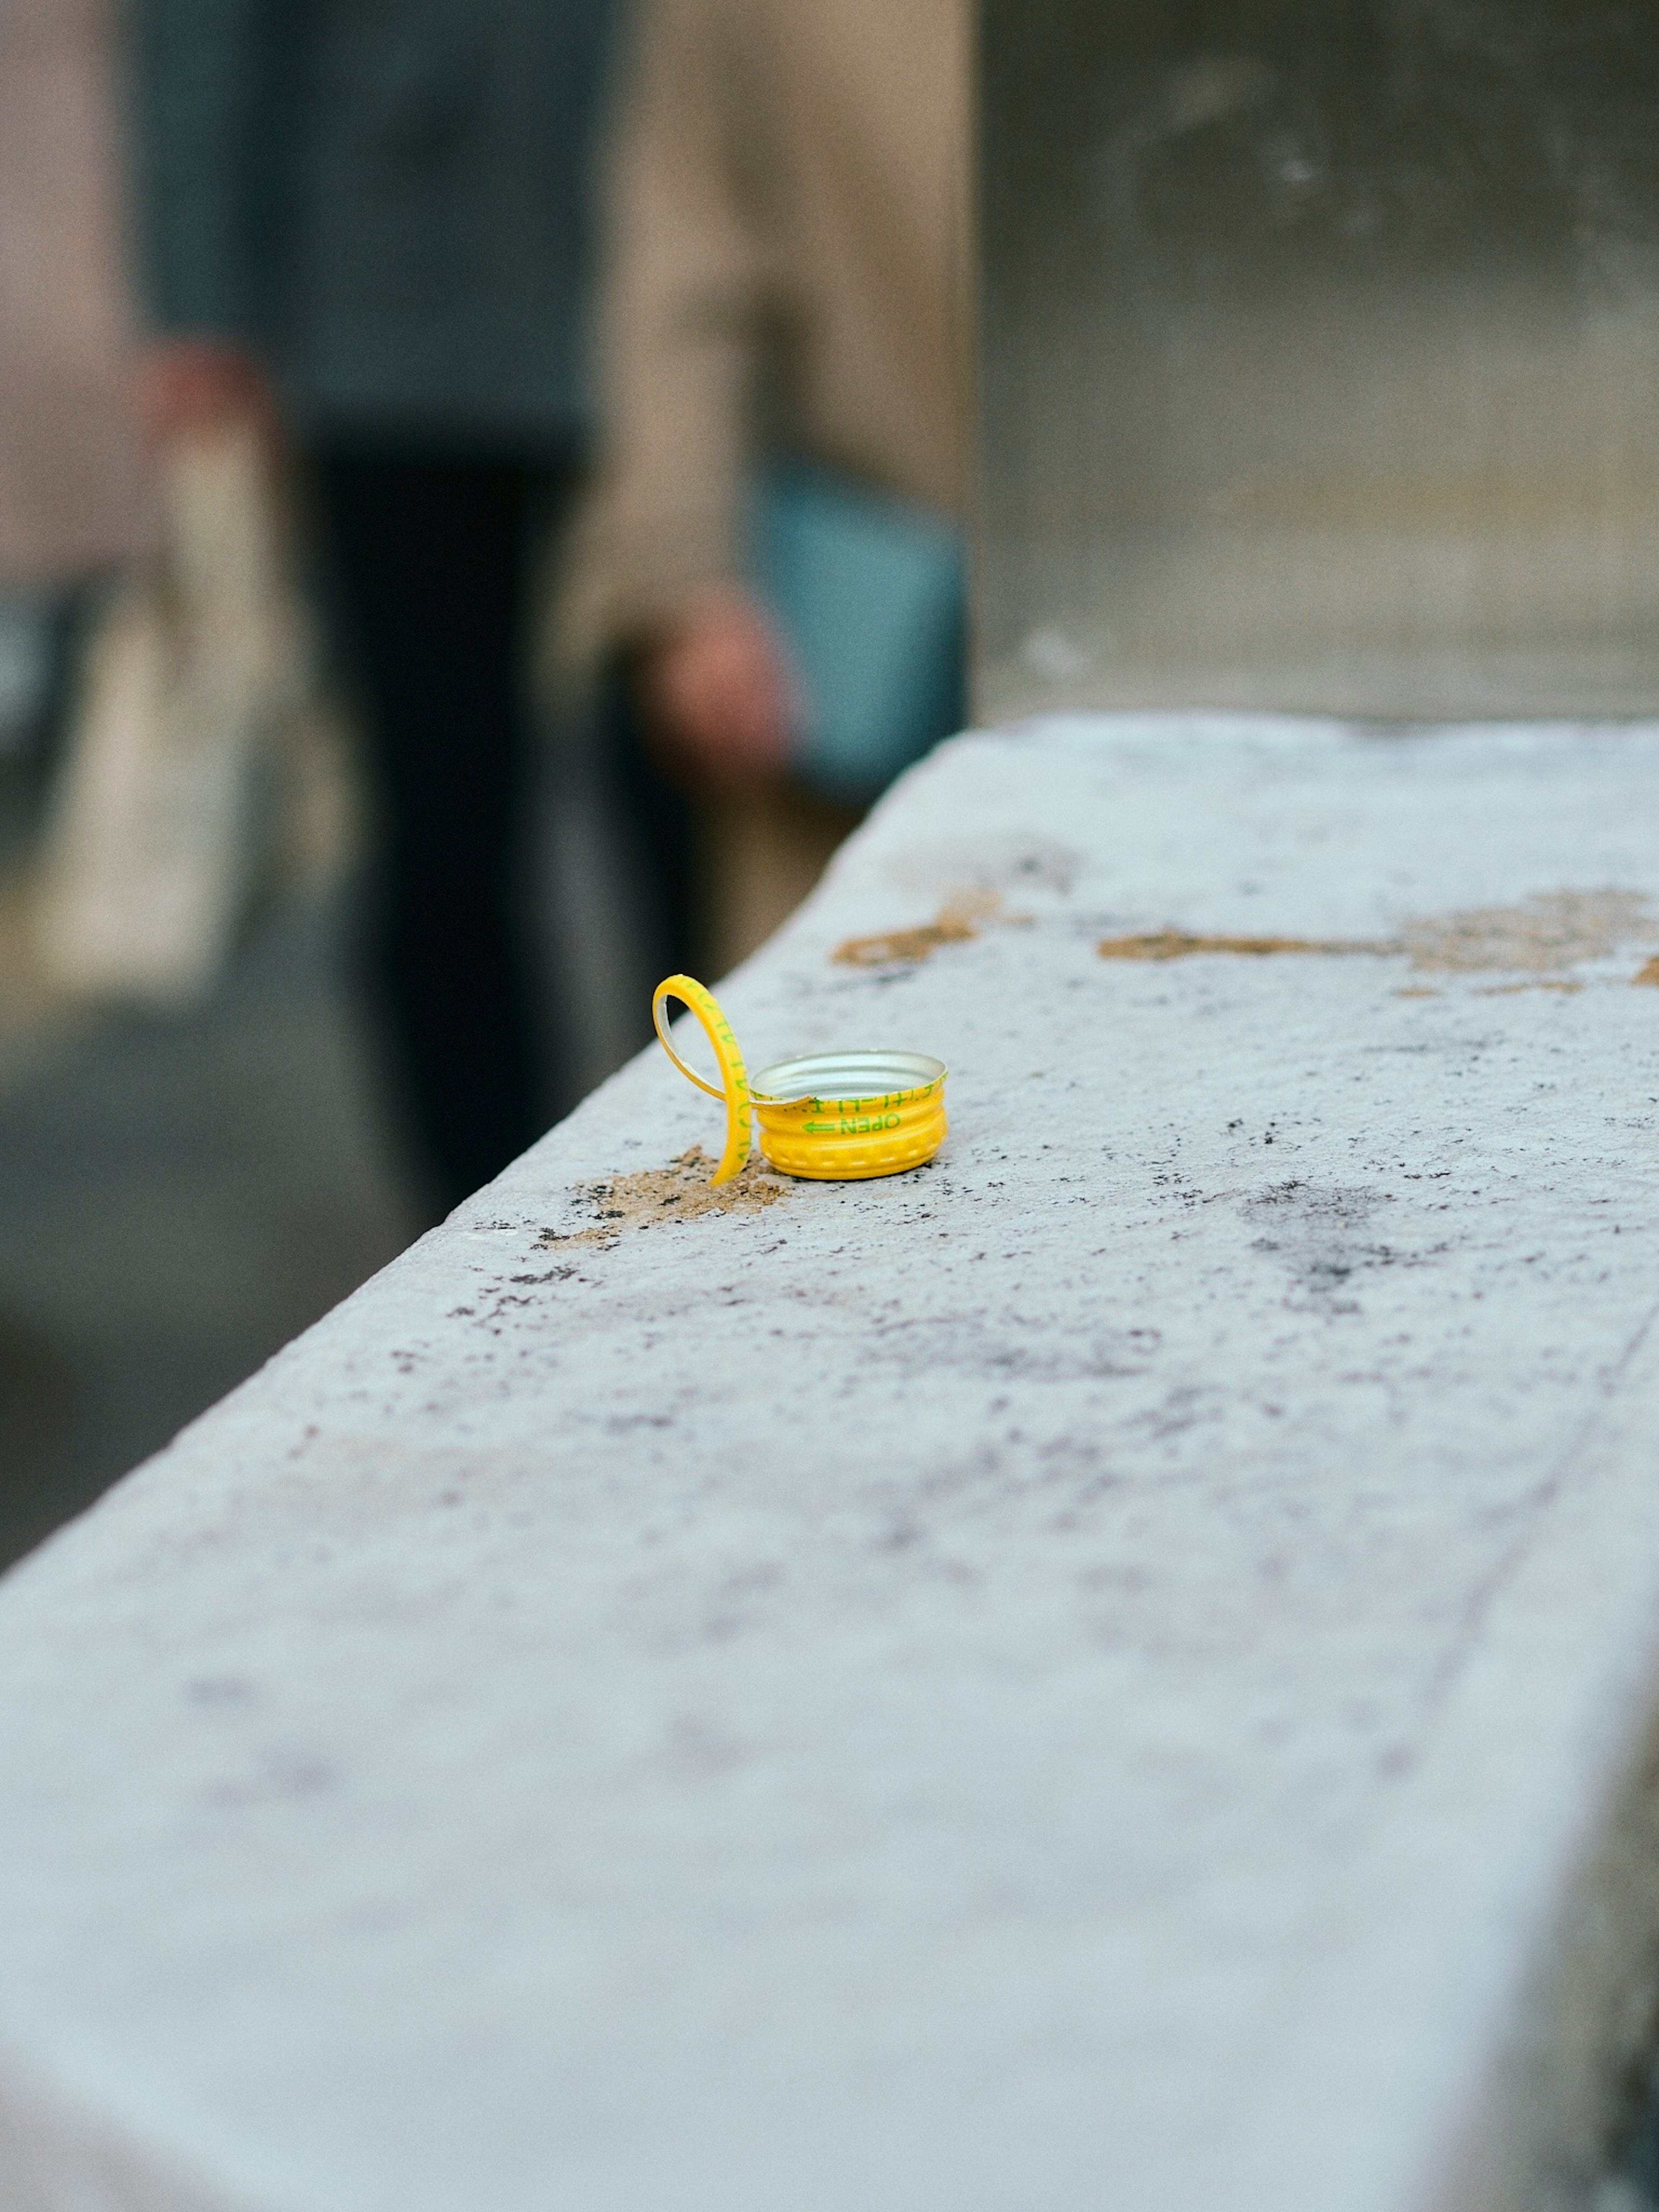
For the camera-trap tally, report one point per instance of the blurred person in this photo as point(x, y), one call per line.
point(369, 223)
point(72, 491)
point(787, 275)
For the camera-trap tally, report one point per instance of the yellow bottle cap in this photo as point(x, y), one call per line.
point(834, 1117)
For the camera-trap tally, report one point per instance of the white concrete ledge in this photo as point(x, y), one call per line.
point(1118, 1671)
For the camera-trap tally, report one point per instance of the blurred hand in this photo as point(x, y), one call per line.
point(194, 385)
point(718, 693)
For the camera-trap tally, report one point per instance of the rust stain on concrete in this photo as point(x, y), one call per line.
point(959, 919)
point(1566, 984)
point(1183, 944)
point(1542, 937)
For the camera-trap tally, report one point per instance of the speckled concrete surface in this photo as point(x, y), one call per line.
point(1113, 1672)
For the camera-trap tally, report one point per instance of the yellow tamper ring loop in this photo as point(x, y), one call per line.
point(739, 1115)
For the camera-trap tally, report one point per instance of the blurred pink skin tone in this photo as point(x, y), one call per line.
point(718, 692)
point(191, 386)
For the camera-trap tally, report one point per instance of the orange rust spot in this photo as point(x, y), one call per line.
point(889, 945)
point(958, 920)
point(1509, 990)
point(1647, 972)
point(1183, 944)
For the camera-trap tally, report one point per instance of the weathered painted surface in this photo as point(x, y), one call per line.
point(1113, 1672)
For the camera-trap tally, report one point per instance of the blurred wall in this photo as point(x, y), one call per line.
point(1319, 354)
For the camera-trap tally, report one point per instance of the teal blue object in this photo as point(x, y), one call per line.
point(870, 593)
